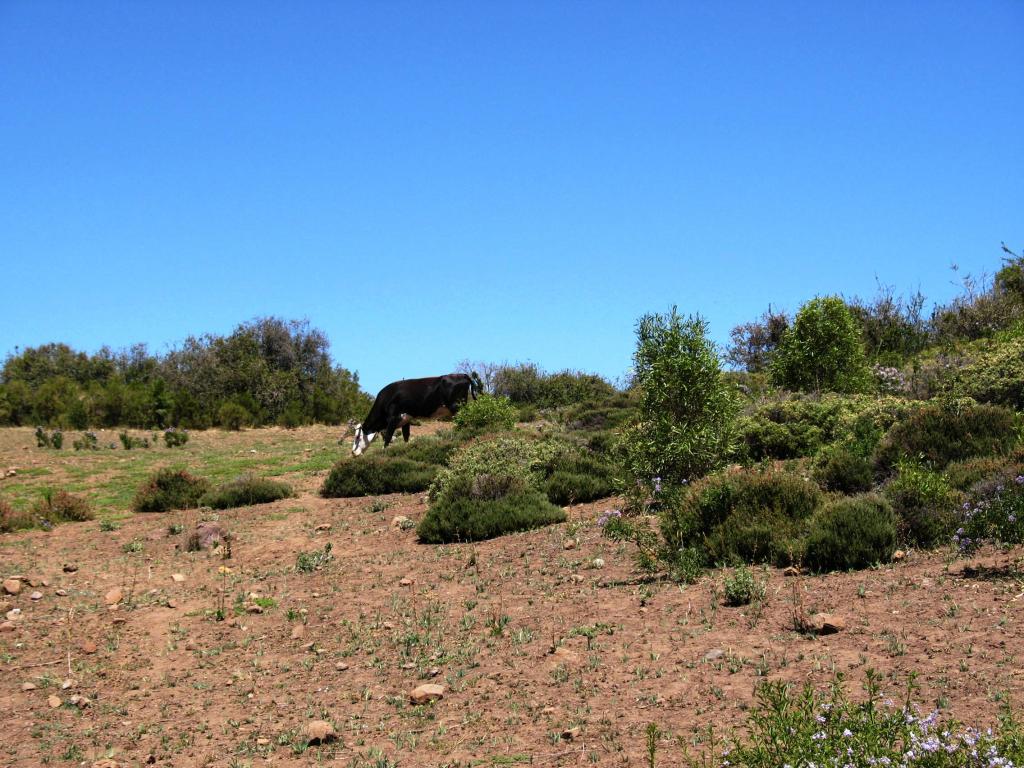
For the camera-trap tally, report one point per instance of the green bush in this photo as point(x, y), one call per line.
point(486, 414)
point(996, 376)
point(591, 415)
point(685, 427)
point(373, 475)
point(473, 519)
point(925, 505)
point(822, 350)
point(175, 438)
point(576, 476)
point(509, 456)
point(748, 516)
point(940, 433)
point(741, 588)
point(525, 383)
point(840, 469)
point(170, 489)
point(233, 416)
point(246, 491)
point(853, 532)
point(429, 449)
point(998, 520)
point(968, 474)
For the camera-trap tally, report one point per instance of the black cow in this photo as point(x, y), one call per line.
point(402, 401)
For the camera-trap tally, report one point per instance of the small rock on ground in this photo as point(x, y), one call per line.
point(427, 692)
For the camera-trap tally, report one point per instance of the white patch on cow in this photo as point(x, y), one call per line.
point(362, 441)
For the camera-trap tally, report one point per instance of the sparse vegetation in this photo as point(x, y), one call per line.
point(170, 489)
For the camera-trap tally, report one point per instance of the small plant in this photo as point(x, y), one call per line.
point(246, 491)
point(466, 518)
point(108, 525)
point(998, 520)
point(87, 442)
point(133, 546)
point(374, 475)
point(175, 438)
point(840, 469)
point(13, 520)
point(61, 506)
point(924, 503)
point(128, 442)
point(220, 611)
point(170, 489)
point(741, 588)
point(42, 438)
point(307, 562)
point(853, 532)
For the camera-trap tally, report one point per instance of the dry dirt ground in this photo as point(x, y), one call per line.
point(548, 656)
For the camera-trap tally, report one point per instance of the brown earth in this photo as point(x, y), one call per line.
point(529, 637)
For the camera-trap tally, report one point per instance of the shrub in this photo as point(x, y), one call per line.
point(473, 519)
point(88, 442)
point(308, 562)
point(840, 469)
point(976, 474)
point(13, 520)
point(853, 532)
point(998, 520)
point(598, 414)
point(175, 438)
point(246, 491)
point(685, 427)
point(525, 383)
point(61, 506)
point(372, 475)
point(924, 503)
point(996, 376)
point(822, 350)
point(170, 489)
point(233, 416)
point(576, 476)
point(940, 433)
point(747, 516)
point(741, 588)
point(292, 416)
point(753, 344)
point(510, 456)
point(129, 442)
point(486, 414)
point(429, 449)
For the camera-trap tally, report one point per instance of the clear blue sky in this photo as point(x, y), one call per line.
point(434, 181)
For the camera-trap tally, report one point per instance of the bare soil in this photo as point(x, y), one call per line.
point(548, 656)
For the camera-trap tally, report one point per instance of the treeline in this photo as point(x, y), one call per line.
point(268, 371)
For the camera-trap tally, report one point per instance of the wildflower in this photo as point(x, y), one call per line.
point(608, 515)
point(847, 733)
point(1019, 480)
point(224, 569)
point(657, 485)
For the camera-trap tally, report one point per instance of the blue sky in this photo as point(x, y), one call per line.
point(434, 181)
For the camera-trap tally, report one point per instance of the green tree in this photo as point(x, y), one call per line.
point(822, 350)
point(687, 410)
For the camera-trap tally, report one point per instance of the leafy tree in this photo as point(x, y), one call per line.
point(753, 344)
point(686, 424)
point(822, 350)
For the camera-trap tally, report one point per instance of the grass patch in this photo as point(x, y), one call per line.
point(170, 489)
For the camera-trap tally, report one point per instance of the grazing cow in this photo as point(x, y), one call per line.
point(402, 401)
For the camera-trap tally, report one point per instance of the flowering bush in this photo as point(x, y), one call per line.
point(814, 730)
point(999, 520)
point(175, 438)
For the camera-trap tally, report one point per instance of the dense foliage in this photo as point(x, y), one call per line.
point(852, 532)
point(266, 371)
point(170, 489)
point(246, 491)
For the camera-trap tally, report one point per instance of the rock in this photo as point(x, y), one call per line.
point(569, 544)
point(341, 666)
point(714, 653)
point(307, 647)
point(825, 624)
point(401, 522)
point(89, 646)
point(298, 631)
point(210, 534)
point(61, 593)
point(791, 570)
point(28, 686)
point(320, 732)
point(114, 596)
point(54, 701)
point(119, 620)
point(571, 733)
point(106, 762)
point(80, 701)
point(262, 742)
point(576, 578)
point(426, 693)
point(178, 577)
point(7, 626)
point(67, 684)
point(598, 562)
point(13, 615)
point(70, 568)
point(254, 608)
point(406, 582)
point(434, 672)
point(322, 527)
point(37, 595)
point(898, 555)
point(12, 586)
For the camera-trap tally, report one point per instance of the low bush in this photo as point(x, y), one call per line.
point(591, 415)
point(949, 431)
point(998, 520)
point(308, 562)
point(170, 489)
point(486, 414)
point(576, 476)
point(129, 442)
point(840, 469)
point(87, 442)
point(429, 449)
point(525, 383)
point(967, 475)
point(741, 588)
point(853, 532)
point(472, 519)
point(175, 438)
point(233, 416)
point(995, 376)
point(372, 475)
point(747, 516)
point(511, 456)
point(246, 491)
point(12, 519)
point(925, 505)
point(61, 506)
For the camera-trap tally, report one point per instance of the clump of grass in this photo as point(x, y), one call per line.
point(61, 507)
point(12, 519)
point(246, 491)
point(374, 475)
point(465, 518)
point(170, 489)
point(307, 562)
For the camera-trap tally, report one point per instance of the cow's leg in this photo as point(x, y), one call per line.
point(400, 420)
point(405, 432)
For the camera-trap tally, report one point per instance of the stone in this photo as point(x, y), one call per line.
point(598, 562)
point(89, 646)
point(401, 522)
point(80, 701)
point(28, 686)
point(178, 577)
point(54, 701)
point(406, 582)
point(12, 586)
point(7, 626)
point(106, 762)
point(571, 733)
point(341, 666)
point(69, 683)
point(13, 615)
point(320, 732)
point(210, 534)
point(569, 544)
point(898, 555)
point(254, 608)
point(261, 742)
point(37, 595)
point(426, 693)
point(791, 570)
point(61, 593)
point(825, 624)
point(298, 631)
point(322, 527)
point(714, 653)
point(70, 568)
point(114, 596)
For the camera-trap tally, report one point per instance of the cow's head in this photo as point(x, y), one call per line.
point(362, 441)
point(475, 385)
